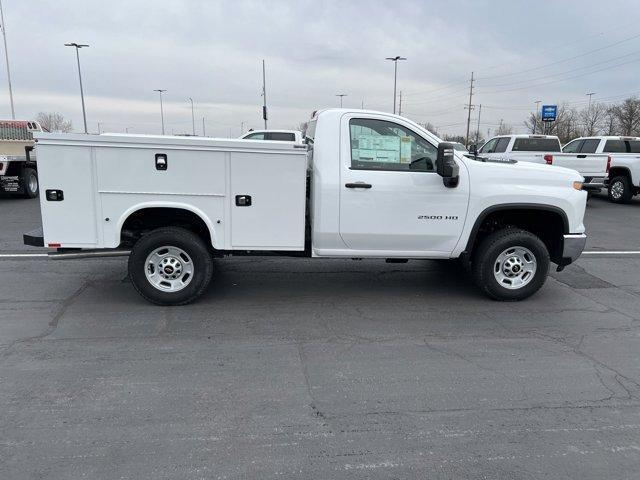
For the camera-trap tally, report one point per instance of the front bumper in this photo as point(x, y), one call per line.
point(572, 247)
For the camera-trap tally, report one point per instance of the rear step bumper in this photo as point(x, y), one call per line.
point(34, 238)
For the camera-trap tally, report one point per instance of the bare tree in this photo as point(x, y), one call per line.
point(504, 129)
point(628, 116)
point(566, 126)
point(54, 122)
point(592, 119)
point(610, 123)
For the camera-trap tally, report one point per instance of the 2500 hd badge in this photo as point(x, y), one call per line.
point(437, 217)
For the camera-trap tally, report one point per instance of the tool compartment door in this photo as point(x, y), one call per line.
point(268, 198)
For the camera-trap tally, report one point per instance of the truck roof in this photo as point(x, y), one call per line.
point(526, 135)
point(608, 137)
point(165, 140)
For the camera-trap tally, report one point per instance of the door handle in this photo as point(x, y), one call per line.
point(357, 185)
point(582, 156)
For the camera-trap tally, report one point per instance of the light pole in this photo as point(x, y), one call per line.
point(341, 95)
point(193, 118)
point(395, 77)
point(161, 91)
point(78, 46)
point(535, 117)
point(6, 56)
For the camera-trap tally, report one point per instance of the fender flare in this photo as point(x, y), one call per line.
point(176, 205)
point(621, 168)
point(513, 206)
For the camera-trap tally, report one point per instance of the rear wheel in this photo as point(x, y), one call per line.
point(30, 179)
point(510, 264)
point(620, 190)
point(170, 266)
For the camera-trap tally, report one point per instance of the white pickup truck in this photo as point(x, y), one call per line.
point(274, 135)
point(623, 162)
point(546, 149)
point(367, 184)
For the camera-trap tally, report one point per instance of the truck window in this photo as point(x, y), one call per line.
point(634, 146)
point(282, 136)
point(573, 146)
point(255, 136)
point(615, 146)
point(502, 145)
point(382, 145)
point(489, 146)
point(590, 145)
point(536, 145)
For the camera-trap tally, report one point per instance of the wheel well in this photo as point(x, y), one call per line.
point(548, 225)
point(619, 172)
point(144, 220)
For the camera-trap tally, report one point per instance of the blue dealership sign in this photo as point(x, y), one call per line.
point(549, 113)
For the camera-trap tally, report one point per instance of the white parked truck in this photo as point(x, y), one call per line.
point(546, 149)
point(623, 162)
point(274, 135)
point(18, 167)
point(366, 184)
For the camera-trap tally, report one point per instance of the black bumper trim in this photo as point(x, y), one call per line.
point(34, 238)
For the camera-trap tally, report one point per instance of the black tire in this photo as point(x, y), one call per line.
point(486, 257)
point(188, 242)
point(620, 190)
point(31, 185)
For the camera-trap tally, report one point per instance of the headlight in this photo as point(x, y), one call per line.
point(577, 185)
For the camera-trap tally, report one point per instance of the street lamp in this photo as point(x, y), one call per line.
point(160, 91)
point(193, 118)
point(341, 95)
point(395, 76)
point(535, 117)
point(78, 46)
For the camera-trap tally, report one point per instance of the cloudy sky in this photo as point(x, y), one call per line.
point(553, 51)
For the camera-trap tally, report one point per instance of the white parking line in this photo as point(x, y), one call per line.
point(612, 252)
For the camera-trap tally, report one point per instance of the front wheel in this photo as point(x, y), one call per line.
point(170, 266)
point(510, 264)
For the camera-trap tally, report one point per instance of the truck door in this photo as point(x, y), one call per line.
point(391, 198)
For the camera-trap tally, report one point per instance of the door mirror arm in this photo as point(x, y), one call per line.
point(446, 165)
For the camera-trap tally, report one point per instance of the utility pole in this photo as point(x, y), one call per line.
point(78, 46)
point(478, 129)
point(535, 117)
point(395, 77)
point(99, 129)
point(161, 91)
point(204, 132)
point(193, 118)
point(241, 128)
point(362, 104)
point(6, 57)
point(341, 95)
point(469, 112)
point(400, 106)
point(591, 94)
point(264, 95)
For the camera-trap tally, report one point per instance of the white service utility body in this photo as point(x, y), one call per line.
point(366, 184)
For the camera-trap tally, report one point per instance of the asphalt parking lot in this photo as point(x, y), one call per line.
point(321, 369)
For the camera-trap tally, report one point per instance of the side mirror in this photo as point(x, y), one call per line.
point(446, 165)
point(473, 149)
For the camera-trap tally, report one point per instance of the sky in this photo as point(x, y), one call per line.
point(212, 51)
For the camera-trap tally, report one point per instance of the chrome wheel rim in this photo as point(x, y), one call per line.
point(515, 267)
point(617, 189)
point(169, 269)
point(33, 183)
